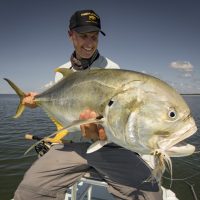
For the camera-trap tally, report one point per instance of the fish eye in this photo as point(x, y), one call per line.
point(172, 113)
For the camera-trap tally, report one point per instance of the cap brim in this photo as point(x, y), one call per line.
point(88, 29)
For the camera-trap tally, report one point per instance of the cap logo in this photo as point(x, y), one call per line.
point(92, 17)
point(89, 13)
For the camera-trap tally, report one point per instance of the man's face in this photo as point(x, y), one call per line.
point(85, 44)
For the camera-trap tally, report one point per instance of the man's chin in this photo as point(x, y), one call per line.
point(86, 57)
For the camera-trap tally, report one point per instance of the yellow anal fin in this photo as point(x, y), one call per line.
point(59, 136)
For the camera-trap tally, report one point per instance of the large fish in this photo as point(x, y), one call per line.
point(139, 112)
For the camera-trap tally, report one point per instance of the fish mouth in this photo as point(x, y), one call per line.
point(174, 141)
point(181, 149)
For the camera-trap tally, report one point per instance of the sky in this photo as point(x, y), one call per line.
point(157, 37)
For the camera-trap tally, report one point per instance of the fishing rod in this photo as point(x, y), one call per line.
point(41, 148)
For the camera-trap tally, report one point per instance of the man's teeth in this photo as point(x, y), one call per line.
point(88, 49)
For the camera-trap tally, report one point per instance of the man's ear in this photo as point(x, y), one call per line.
point(70, 34)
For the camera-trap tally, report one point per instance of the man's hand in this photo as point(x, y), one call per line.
point(92, 131)
point(28, 100)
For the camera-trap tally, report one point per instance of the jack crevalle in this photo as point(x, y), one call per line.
point(139, 112)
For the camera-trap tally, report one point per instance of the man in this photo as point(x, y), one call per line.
point(63, 165)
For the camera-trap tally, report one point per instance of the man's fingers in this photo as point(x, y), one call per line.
point(28, 100)
point(102, 133)
point(87, 114)
point(91, 131)
point(82, 127)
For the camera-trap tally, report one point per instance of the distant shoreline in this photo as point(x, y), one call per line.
point(8, 94)
point(184, 94)
point(194, 94)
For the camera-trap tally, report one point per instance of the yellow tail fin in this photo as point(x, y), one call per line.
point(21, 95)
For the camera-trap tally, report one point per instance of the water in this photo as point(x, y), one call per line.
point(13, 145)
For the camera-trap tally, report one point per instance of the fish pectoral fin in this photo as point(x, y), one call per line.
point(77, 123)
point(97, 145)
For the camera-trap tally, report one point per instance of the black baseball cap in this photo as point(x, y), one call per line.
point(85, 21)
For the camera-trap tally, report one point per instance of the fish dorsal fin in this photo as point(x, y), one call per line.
point(97, 145)
point(64, 71)
point(72, 124)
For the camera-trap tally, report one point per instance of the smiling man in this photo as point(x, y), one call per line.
point(84, 29)
point(64, 164)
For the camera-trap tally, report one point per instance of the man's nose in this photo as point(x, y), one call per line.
point(89, 41)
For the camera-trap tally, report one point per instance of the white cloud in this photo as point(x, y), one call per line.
point(187, 75)
point(182, 65)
